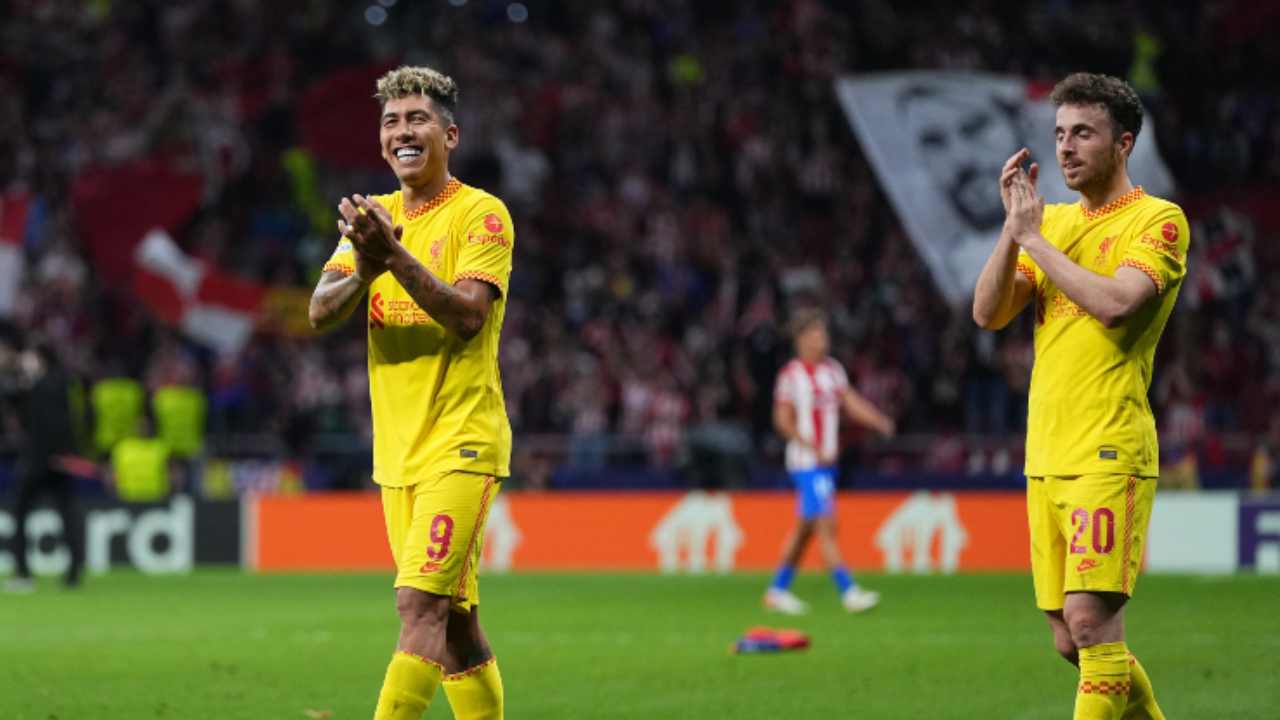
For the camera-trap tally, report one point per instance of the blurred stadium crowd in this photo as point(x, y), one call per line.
point(680, 174)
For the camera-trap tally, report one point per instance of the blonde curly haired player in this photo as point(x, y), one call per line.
point(408, 81)
point(1104, 273)
point(433, 259)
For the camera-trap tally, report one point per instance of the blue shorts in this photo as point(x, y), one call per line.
point(815, 492)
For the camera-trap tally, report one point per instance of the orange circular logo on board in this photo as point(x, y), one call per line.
point(1170, 232)
point(493, 223)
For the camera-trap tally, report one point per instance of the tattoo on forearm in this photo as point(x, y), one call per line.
point(334, 300)
point(442, 302)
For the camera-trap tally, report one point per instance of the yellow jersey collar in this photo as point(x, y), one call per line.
point(450, 189)
point(1124, 200)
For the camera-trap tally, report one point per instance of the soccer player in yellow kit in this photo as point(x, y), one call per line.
point(434, 258)
point(1104, 273)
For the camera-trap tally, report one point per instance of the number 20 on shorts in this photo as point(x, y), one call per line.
point(1103, 540)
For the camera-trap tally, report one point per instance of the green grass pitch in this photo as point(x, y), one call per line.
point(219, 644)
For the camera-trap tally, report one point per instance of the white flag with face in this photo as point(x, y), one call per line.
point(937, 141)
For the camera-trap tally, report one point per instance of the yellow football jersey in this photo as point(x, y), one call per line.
point(437, 399)
point(1088, 410)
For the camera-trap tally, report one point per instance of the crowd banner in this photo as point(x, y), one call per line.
point(937, 141)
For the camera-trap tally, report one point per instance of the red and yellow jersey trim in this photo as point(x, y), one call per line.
point(1104, 687)
point(455, 677)
point(486, 496)
point(1027, 271)
point(451, 188)
point(1124, 200)
point(1130, 491)
point(1147, 270)
point(478, 275)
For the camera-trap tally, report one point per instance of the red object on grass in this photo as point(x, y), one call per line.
point(764, 639)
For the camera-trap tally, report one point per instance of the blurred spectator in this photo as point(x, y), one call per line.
point(140, 468)
point(117, 404)
point(38, 386)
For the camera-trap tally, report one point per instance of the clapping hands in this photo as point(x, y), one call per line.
point(1023, 205)
point(373, 236)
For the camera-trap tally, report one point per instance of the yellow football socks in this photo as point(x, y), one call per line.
point(476, 694)
point(1142, 698)
point(1104, 682)
point(407, 690)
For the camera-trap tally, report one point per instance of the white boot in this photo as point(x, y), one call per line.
point(855, 599)
point(783, 601)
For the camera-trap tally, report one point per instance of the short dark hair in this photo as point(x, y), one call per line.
point(804, 318)
point(1117, 96)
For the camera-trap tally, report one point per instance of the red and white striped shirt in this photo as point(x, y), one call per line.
point(814, 390)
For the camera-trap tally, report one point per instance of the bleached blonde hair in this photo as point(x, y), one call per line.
point(409, 80)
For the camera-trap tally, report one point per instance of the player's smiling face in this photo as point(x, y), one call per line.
point(1089, 149)
point(416, 139)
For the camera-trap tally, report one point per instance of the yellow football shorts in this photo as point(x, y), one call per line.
point(436, 530)
point(1087, 533)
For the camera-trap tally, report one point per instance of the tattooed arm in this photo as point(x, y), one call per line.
point(462, 308)
point(335, 297)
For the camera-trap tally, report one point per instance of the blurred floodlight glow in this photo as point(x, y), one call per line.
point(517, 12)
point(375, 15)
